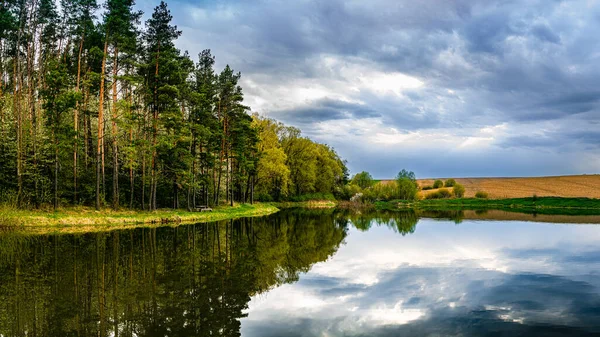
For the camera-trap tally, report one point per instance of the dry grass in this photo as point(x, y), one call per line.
point(587, 186)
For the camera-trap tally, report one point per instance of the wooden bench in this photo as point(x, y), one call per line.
point(203, 209)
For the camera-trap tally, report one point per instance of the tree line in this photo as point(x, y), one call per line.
point(97, 108)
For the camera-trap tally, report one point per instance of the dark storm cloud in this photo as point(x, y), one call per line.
point(513, 62)
point(324, 110)
point(561, 140)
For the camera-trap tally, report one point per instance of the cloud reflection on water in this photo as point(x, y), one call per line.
point(476, 278)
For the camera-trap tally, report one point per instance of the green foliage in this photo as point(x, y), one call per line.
point(427, 188)
point(438, 184)
point(406, 185)
point(410, 175)
point(348, 191)
point(362, 179)
point(481, 195)
point(458, 190)
point(442, 193)
point(173, 131)
point(381, 191)
point(450, 183)
point(313, 197)
point(406, 189)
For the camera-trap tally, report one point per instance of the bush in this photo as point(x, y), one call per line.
point(450, 183)
point(348, 191)
point(458, 190)
point(481, 195)
point(313, 196)
point(380, 191)
point(407, 189)
point(427, 188)
point(442, 193)
point(438, 184)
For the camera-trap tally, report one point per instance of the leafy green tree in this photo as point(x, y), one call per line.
point(438, 184)
point(406, 185)
point(273, 175)
point(362, 179)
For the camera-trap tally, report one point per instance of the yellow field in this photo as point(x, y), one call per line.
point(498, 188)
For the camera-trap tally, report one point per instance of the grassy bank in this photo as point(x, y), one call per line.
point(540, 205)
point(306, 204)
point(84, 219)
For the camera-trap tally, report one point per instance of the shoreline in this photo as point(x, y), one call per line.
point(85, 220)
point(539, 205)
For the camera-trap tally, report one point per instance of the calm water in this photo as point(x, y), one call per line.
point(301, 273)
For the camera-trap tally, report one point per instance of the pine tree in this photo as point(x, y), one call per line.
point(160, 60)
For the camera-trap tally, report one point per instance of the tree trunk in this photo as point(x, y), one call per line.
point(76, 119)
point(131, 177)
point(100, 158)
point(115, 198)
point(55, 170)
point(154, 134)
point(17, 110)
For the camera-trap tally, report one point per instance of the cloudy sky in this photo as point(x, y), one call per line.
point(440, 87)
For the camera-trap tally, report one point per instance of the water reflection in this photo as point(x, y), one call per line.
point(475, 279)
point(307, 273)
point(185, 281)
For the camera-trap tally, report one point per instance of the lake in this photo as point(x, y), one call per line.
point(308, 273)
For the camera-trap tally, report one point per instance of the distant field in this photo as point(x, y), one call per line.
point(497, 188)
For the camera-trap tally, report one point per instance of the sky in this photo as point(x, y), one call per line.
point(445, 88)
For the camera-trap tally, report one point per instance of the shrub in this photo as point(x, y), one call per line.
point(348, 191)
point(312, 197)
point(458, 190)
point(380, 191)
point(442, 193)
point(450, 183)
point(481, 195)
point(427, 188)
point(407, 189)
point(438, 184)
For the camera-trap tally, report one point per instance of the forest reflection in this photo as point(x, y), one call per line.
point(183, 281)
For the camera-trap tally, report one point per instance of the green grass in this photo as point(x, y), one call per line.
point(540, 205)
point(305, 204)
point(84, 219)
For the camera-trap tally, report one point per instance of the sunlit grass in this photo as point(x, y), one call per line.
point(86, 219)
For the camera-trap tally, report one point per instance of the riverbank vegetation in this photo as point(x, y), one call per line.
point(98, 109)
point(86, 219)
point(406, 192)
point(537, 205)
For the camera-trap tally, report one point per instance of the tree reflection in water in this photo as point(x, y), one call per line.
point(183, 281)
